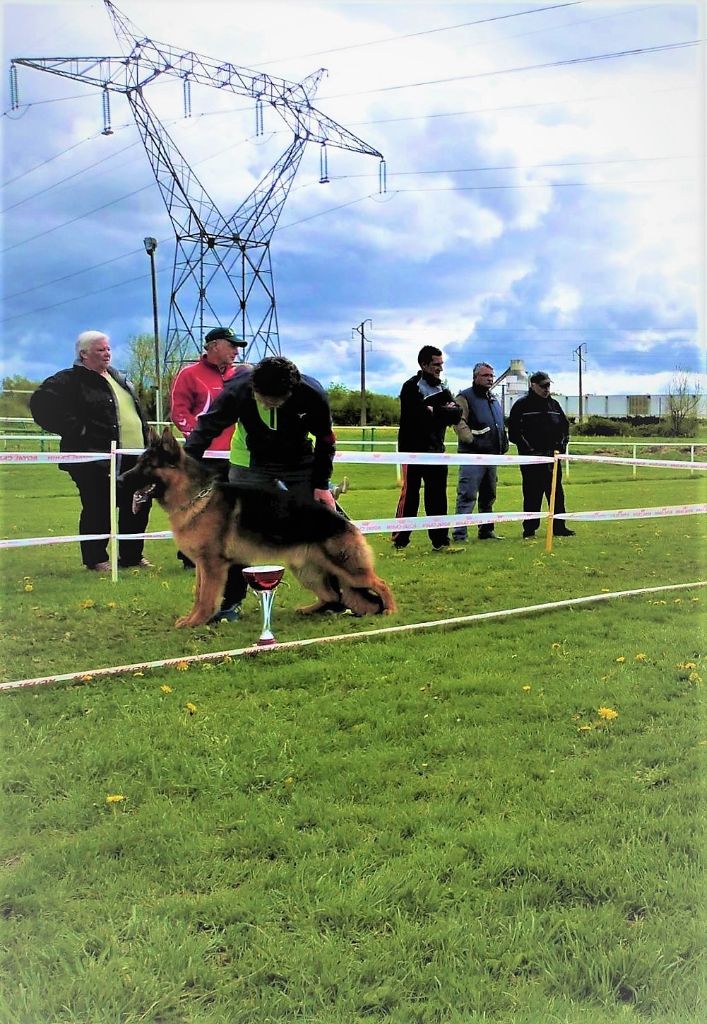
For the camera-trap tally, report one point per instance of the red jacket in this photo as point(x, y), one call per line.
point(193, 391)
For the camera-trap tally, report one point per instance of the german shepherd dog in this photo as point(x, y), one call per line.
point(218, 525)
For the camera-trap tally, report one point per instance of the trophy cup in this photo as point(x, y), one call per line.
point(263, 579)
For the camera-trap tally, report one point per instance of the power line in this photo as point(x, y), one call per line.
point(526, 67)
point(519, 167)
point(413, 35)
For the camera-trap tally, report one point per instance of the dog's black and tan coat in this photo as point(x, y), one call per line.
point(218, 525)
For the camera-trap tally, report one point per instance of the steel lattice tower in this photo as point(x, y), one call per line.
point(211, 249)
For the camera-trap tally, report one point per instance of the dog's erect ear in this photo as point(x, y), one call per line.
point(152, 436)
point(170, 443)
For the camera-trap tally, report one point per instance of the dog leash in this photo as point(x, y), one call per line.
point(203, 493)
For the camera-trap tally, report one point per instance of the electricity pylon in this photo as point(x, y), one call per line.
point(212, 250)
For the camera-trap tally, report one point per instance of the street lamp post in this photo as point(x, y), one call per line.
point(150, 246)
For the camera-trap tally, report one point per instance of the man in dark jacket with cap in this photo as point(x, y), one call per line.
point(537, 425)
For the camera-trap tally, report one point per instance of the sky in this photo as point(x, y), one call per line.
point(544, 193)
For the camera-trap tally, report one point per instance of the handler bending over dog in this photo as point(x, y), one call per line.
point(276, 409)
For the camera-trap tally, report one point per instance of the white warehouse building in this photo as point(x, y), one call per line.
point(515, 384)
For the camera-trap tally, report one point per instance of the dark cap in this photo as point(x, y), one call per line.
point(540, 377)
point(224, 334)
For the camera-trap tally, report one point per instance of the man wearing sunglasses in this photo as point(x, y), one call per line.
point(537, 425)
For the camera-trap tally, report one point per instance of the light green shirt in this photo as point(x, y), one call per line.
point(129, 423)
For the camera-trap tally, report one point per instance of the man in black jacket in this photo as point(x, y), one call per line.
point(537, 425)
point(89, 405)
point(276, 410)
point(426, 410)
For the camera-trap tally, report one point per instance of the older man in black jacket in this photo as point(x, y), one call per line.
point(537, 425)
point(89, 405)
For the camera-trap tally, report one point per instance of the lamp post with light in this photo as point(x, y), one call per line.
point(150, 246)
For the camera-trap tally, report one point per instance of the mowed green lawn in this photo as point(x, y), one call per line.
point(435, 826)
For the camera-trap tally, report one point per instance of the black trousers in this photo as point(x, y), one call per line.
point(537, 483)
point(92, 481)
point(434, 479)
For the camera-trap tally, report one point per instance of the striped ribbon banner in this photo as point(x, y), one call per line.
point(417, 523)
point(21, 457)
point(617, 460)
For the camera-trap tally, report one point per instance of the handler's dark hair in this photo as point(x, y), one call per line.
point(275, 377)
point(425, 354)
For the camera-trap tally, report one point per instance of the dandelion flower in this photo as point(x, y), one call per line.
point(86, 678)
point(29, 588)
point(694, 677)
point(289, 781)
point(191, 708)
point(621, 659)
point(640, 657)
point(584, 728)
point(525, 689)
point(556, 647)
point(607, 714)
point(88, 603)
point(115, 798)
point(677, 600)
point(165, 688)
point(140, 674)
point(112, 604)
point(605, 590)
point(182, 666)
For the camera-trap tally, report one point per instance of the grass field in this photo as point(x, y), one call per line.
point(438, 827)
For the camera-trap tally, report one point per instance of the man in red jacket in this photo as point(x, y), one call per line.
point(197, 386)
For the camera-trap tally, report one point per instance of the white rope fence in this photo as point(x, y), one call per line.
point(389, 525)
point(88, 675)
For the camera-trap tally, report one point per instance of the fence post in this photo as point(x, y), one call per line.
point(634, 467)
point(113, 539)
point(692, 458)
point(551, 504)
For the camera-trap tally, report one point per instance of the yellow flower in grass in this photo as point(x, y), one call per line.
point(584, 728)
point(86, 678)
point(115, 798)
point(112, 604)
point(694, 677)
point(525, 689)
point(182, 666)
point(29, 588)
point(621, 659)
point(88, 603)
point(165, 688)
point(608, 714)
point(689, 665)
point(556, 646)
point(191, 708)
point(640, 657)
point(138, 674)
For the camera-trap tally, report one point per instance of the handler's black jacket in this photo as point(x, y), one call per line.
point(285, 443)
point(422, 430)
point(79, 405)
point(538, 426)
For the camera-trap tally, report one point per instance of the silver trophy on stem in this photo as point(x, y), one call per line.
point(264, 579)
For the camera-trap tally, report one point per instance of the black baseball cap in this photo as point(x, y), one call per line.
point(224, 334)
point(540, 377)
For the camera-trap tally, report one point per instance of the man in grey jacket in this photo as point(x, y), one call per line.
point(480, 431)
